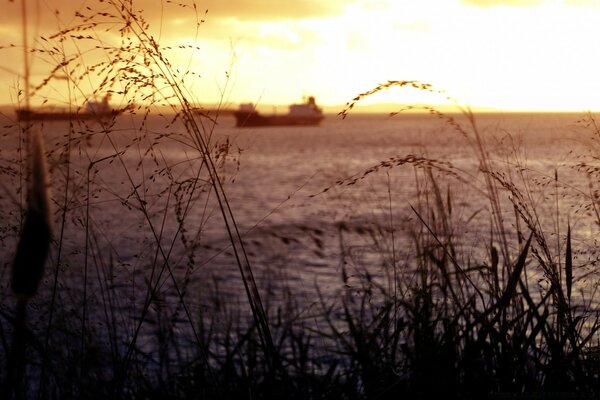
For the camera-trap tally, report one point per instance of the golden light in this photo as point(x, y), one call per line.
point(497, 53)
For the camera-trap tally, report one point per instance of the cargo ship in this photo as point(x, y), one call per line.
point(305, 114)
point(94, 110)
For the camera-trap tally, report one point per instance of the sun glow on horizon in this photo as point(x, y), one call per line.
point(502, 54)
point(532, 57)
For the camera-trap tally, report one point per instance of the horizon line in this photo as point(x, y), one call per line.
point(368, 108)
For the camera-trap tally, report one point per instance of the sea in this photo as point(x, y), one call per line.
point(319, 209)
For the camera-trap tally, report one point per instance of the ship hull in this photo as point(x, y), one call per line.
point(251, 119)
point(29, 115)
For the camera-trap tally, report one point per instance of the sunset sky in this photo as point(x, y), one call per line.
point(505, 54)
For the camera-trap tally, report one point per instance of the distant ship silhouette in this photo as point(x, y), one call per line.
point(307, 113)
point(98, 110)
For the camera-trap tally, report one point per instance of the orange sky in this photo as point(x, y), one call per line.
point(506, 54)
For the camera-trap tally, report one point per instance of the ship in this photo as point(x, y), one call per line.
point(94, 110)
point(305, 114)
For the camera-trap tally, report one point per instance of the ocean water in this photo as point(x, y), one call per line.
point(315, 206)
point(279, 190)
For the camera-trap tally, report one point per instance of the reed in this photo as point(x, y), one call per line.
point(544, 330)
point(29, 260)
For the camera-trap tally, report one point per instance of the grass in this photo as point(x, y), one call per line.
point(129, 306)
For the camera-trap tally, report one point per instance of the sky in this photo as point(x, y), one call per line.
point(499, 54)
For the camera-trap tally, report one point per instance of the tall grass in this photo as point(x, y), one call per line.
point(133, 66)
point(130, 308)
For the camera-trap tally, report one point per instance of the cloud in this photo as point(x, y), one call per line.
point(271, 9)
point(50, 15)
point(583, 3)
point(510, 3)
point(230, 19)
point(242, 9)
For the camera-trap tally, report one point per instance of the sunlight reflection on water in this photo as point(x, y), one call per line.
point(297, 236)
